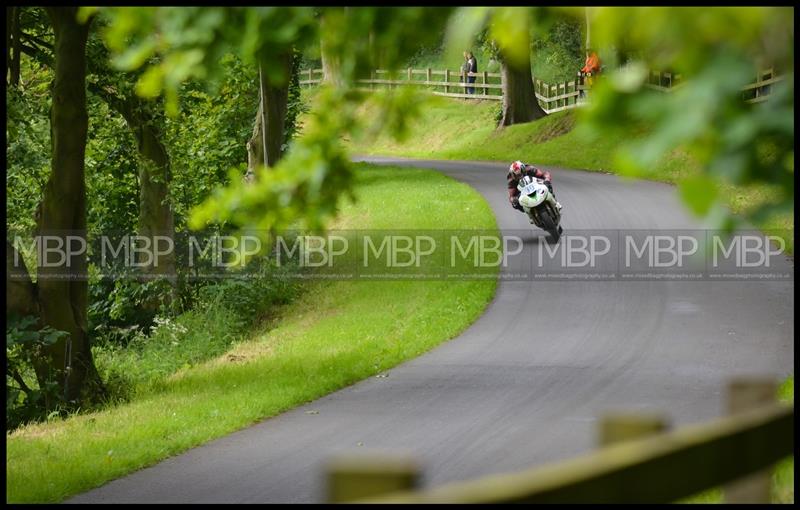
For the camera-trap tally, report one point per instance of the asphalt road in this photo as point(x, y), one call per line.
point(525, 384)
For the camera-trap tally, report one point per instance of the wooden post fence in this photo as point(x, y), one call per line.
point(551, 97)
point(639, 461)
point(659, 468)
point(746, 395)
point(353, 477)
point(615, 428)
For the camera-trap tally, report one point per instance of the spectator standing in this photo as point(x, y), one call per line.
point(592, 65)
point(464, 70)
point(473, 68)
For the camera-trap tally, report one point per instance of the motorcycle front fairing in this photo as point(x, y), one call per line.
point(534, 194)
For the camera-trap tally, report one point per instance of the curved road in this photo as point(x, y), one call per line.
point(499, 398)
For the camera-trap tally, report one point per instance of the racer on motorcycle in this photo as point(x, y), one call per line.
point(515, 173)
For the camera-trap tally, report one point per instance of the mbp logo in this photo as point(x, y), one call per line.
point(484, 250)
point(398, 250)
point(660, 251)
point(746, 251)
point(575, 251)
point(312, 251)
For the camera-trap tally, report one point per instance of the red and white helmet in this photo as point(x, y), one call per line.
point(516, 168)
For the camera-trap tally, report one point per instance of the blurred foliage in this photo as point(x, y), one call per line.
point(296, 105)
point(208, 136)
point(558, 51)
point(306, 185)
point(718, 51)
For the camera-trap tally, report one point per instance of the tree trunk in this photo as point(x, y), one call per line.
point(155, 212)
point(15, 46)
point(519, 98)
point(63, 289)
point(9, 17)
point(588, 29)
point(20, 290)
point(255, 145)
point(272, 113)
point(331, 62)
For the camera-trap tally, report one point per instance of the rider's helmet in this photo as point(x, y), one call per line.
point(516, 168)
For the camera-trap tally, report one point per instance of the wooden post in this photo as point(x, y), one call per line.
point(428, 76)
point(409, 74)
point(352, 477)
point(617, 427)
point(310, 77)
point(745, 394)
point(485, 82)
point(447, 80)
point(546, 93)
point(757, 90)
point(574, 89)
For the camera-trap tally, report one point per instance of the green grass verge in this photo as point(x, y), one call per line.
point(465, 130)
point(335, 334)
point(226, 312)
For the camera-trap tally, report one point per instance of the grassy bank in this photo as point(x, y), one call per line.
point(335, 334)
point(465, 130)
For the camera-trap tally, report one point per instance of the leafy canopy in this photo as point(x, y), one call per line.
point(176, 44)
point(717, 51)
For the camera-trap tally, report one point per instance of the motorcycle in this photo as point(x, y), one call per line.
point(540, 205)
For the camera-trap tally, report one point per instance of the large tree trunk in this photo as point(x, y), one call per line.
point(14, 44)
point(519, 98)
point(155, 211)
point(9, 17)
point(156, 220)
point(156, 217)
point(264, 147)
point(331, 62)
point(20, 290)
point(255, 145)
point(63, 288)
point(588, 29)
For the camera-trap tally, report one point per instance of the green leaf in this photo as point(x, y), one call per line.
point(150, 83)
point(699, 193)
point(630, 78)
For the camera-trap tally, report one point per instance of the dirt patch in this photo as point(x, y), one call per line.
point(558, 128)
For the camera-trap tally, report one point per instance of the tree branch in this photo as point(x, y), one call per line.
point(18, 378)
point(115, 102)
point(36, 40)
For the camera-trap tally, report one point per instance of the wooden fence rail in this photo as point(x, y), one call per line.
point(661, 468)
point(639, 462)
point(552, 97)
